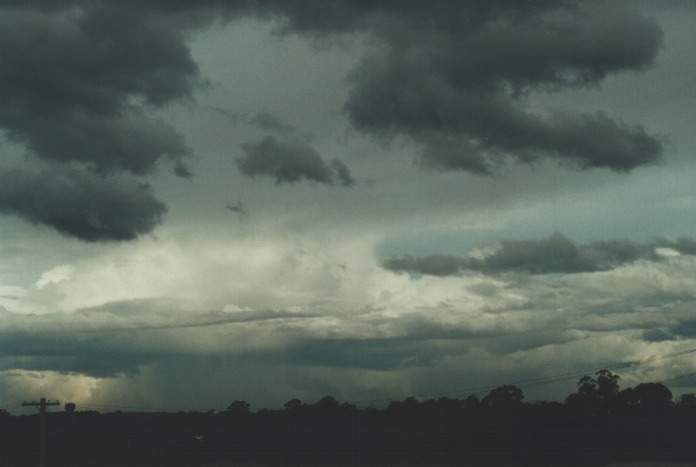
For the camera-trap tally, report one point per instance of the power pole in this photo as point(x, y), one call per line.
point(41, 405)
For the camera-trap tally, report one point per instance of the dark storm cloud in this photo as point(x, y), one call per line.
point(79, 82)
point(75, 84)
point(456, 83)
point(107, 144)
point(454, 76)
point(556, 254)
point(80, 204)
point(290, 161)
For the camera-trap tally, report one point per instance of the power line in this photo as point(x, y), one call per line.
point(11, 406)
point(685, 375)
point(478, 390)
point(123, 407)
point(536, 382)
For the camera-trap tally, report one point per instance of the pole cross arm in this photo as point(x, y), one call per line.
point(42, 404)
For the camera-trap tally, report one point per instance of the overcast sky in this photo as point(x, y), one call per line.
point(207, 201)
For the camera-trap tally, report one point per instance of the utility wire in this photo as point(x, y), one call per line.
point(685, 375)
point(143, 409)
point(480, 390)
point(11, 406)
point(528, 383)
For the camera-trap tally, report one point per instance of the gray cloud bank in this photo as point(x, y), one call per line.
point(556, 254)
point(116, 338)
point(80, 81)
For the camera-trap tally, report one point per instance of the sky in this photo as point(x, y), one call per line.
point(215, 200)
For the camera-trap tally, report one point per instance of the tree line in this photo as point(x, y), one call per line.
point(596, 425)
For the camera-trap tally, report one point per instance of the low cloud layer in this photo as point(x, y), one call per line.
point(556, 254)
point(291, 161)
point(159, 324)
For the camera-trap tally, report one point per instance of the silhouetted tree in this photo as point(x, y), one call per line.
point(687, 400)
point(238, 407)
point(410, 405)
point(448, 405)
point(607, 385)
point(471, 402)
point(587, 386)
point(327, 403)
point(503, 397)
point(600, 391)
point(627, 397)
point(499, 430)
point(652, 395)
point(292, 404)
point(69, 407)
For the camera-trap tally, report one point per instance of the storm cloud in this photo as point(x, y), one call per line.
point(103, 99)
point(555, 254)
point(291, 161)
point(82, 82)
point(78, 204)
point(455, 79)
point(77, 85)
point(455, 76)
